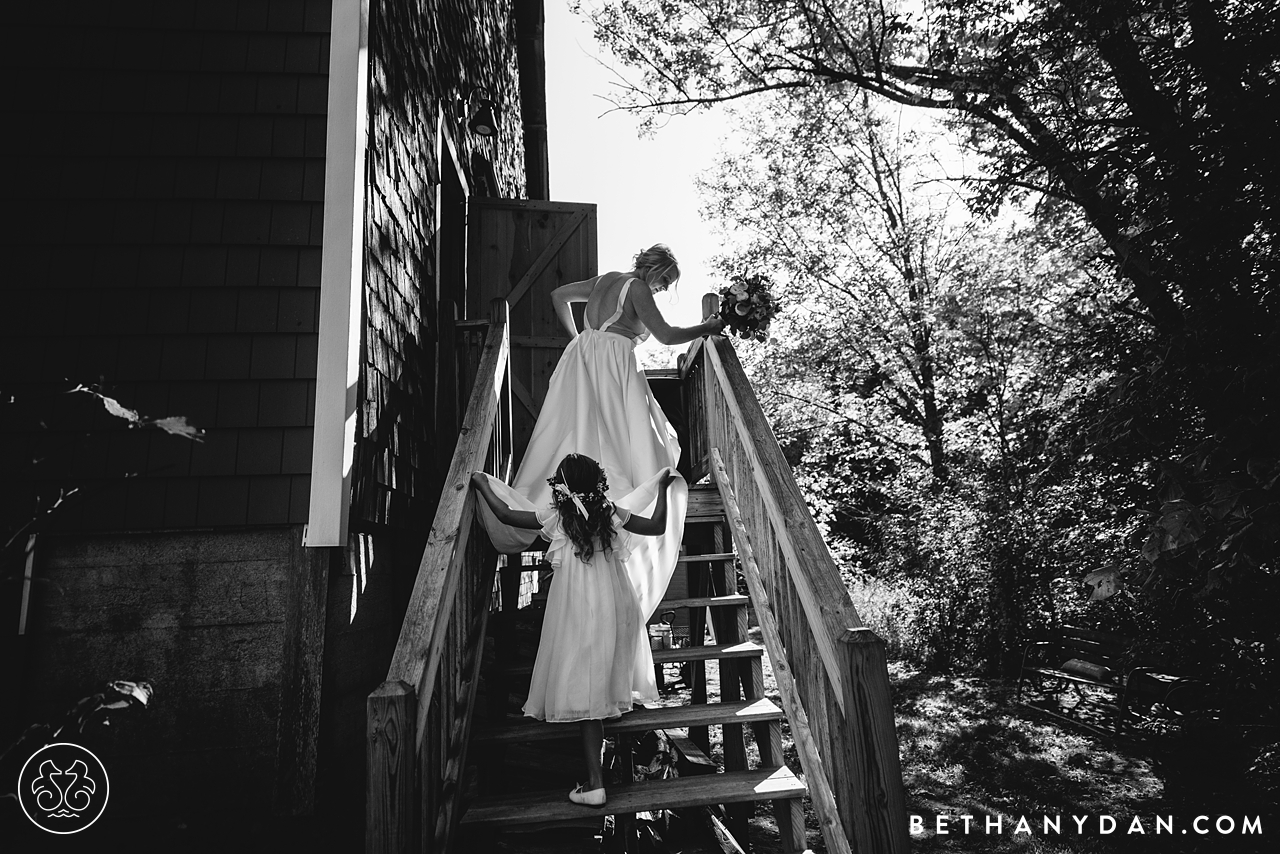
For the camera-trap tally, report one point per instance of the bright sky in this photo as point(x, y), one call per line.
point(642, 188)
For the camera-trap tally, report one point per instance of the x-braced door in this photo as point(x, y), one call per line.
point(523, 250)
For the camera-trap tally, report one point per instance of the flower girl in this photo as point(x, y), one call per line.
point(593, 657)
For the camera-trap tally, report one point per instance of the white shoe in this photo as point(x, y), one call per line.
point(592, 798)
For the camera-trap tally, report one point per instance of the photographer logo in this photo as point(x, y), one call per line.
point(63, 788)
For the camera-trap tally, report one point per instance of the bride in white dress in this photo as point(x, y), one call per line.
point(598, 404)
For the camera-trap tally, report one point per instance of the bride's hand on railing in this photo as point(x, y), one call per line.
point(713, 323)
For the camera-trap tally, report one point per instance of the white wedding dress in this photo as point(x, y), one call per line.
point(598, 404)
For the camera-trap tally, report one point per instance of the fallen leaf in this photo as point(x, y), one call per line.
point(178, 426)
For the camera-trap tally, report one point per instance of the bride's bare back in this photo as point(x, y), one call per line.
point(603, 302)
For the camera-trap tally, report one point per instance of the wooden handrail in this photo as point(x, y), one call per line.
point(418, 720)
point(815, 773)
point(825, 604)
point(416, 656)
point(841, 677)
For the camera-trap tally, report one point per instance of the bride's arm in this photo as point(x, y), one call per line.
point(657, 325)
point(657, 523)
point(564, 296)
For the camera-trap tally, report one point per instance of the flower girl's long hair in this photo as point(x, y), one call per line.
point(578, 492)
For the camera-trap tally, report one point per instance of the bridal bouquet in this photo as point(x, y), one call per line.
point(747, 305)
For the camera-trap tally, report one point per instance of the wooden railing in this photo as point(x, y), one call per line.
point(834, 675)
point(418, 720)
point(839, 666)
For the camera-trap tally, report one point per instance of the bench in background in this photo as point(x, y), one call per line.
point(1072, 657)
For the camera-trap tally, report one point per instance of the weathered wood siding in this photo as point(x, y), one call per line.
point(424, 59)
point(423, 164)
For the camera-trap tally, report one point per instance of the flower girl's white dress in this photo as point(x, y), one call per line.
point(590, 651)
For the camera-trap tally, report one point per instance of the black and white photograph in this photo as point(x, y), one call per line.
point(640, 427)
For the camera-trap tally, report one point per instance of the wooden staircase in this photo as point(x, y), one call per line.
point(748, 518)
point(742, 706)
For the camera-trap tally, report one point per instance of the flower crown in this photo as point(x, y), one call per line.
point(563, 493)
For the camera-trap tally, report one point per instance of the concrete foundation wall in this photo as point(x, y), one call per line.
point(201, 617)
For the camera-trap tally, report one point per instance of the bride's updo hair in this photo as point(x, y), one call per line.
point(580, 477)
point(658, 257)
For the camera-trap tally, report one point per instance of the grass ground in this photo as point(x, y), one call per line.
point(967, 749)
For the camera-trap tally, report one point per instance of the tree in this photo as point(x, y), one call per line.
point(827, 195)
point(911, 379)
point(1154, 119)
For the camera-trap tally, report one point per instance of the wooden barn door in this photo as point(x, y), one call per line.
point(523, 250)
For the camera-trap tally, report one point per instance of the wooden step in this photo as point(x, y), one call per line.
point(746, 649)
point(703, 602)
point(641, 720)
point(731, 787)
point(705, 504)
point(706, 558)
point(709, 652)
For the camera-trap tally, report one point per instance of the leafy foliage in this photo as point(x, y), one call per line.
point(175, 425)
point(79, 722)
point(63, 418)
point(914, 385)
point(1118, 413)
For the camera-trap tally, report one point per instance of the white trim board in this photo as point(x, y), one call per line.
point(341, 276)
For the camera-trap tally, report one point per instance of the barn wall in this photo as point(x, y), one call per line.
point(425, 60)
point(170, 177)
point(171, 181)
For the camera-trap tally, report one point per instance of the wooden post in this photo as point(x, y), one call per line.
point(391, 768)
point(624, 824)
point(699, 575)
point(872, 748)
point(448, 379)
point(729, 629)
point(418, 650)
point(790, 817)
point(503, 449)
point(710, 304)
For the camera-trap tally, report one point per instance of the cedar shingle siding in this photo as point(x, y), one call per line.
point(172, 182)
point(414, 287)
